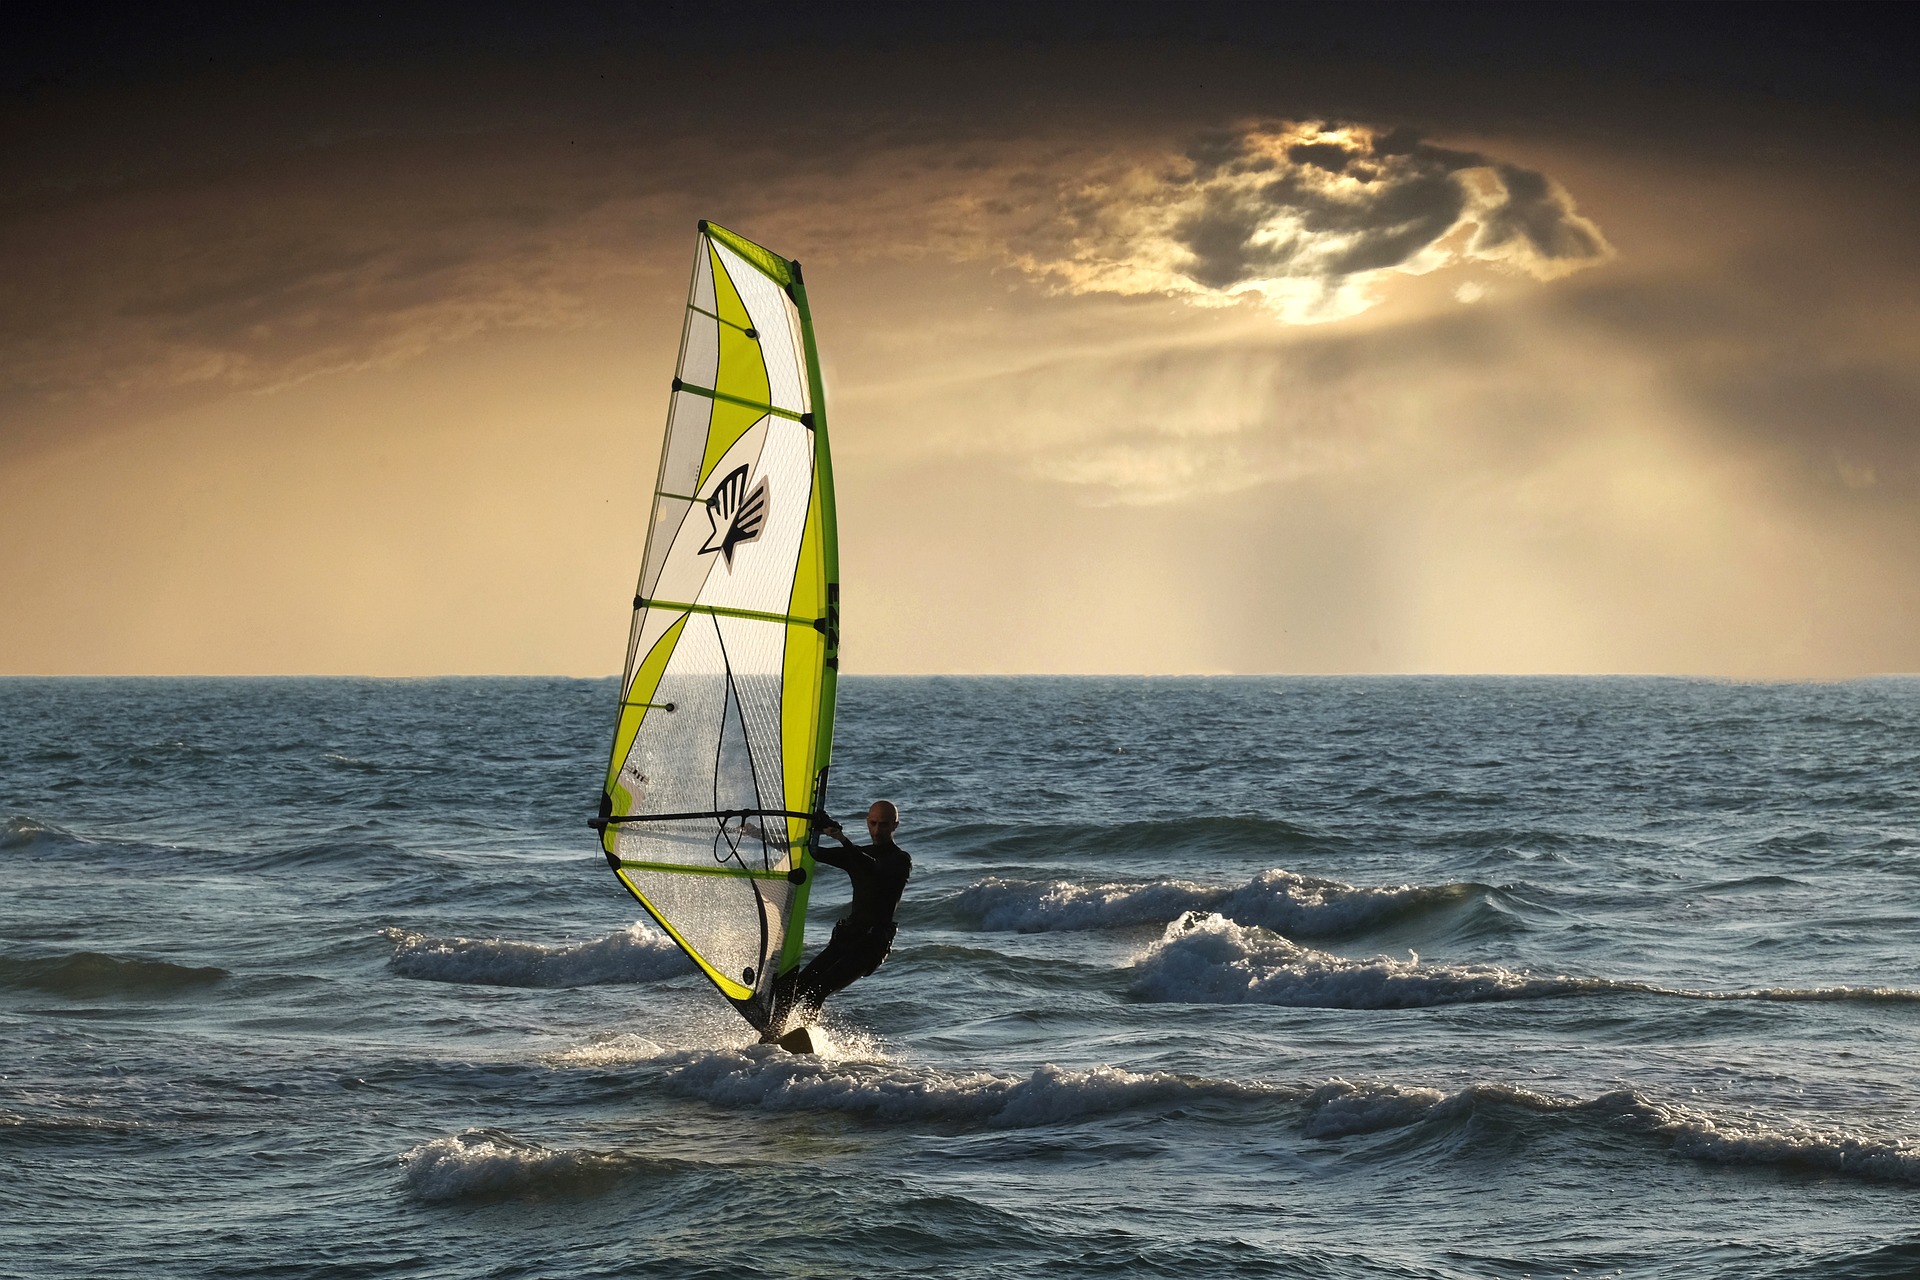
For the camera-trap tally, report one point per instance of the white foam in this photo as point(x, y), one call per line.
point(636, 954)
point(770, 1079)
point(489, 1163)
point(1300, 906)
point(1208, 959)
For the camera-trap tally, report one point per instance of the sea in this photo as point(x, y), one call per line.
point(1288, 977)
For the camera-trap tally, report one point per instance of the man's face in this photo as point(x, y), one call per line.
point(878, 822)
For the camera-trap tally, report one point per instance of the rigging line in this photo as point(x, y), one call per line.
point(804, 419)
point(732, 700)
point(682, 496)
point(726, 611)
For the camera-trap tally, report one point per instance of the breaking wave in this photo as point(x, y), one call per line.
point(1339, 1109)
point(1209, 959)
point(1297, 905)
point(772, 1080)
point(90, 975)
point(486, 1164)
point(762, 1078)
point(634, 954)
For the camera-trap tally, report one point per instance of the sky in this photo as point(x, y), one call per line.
point(1157, 339)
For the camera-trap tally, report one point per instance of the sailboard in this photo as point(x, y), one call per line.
point(717, 778)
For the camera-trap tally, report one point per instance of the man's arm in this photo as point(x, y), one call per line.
point(849, 857)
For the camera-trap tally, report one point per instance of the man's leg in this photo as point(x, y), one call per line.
point(845, 959)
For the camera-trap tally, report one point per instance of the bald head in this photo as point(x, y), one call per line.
point(882, 818)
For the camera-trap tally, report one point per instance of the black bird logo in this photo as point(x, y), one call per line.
point(737, 516)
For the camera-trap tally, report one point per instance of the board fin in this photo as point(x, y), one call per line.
point(799, 1040)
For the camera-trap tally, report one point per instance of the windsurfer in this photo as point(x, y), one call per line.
point(861, 940)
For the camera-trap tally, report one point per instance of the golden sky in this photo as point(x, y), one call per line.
point(1138, 360)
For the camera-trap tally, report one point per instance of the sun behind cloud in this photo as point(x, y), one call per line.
point(1310, 219)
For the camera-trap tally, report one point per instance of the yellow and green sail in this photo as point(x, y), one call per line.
point(725, 729)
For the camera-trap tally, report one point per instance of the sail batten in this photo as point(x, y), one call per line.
point(724, 735)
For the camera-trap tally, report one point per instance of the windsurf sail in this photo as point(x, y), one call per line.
point(725, 728)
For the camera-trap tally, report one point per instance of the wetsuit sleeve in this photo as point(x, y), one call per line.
point(849, 857)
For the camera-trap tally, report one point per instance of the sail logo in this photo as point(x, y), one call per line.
point(737, 516)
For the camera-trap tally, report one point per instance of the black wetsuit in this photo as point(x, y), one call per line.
point(860, 941)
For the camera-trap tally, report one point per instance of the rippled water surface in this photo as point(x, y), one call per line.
point(1249, 977)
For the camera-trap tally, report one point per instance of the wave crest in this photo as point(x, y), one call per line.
point(1280, 900)
point(90, 975)
point(1208, 959)
point(634, 954)
point(1339, 1109)
point(23, 832)
point(890, 1091)
point(487, 1164)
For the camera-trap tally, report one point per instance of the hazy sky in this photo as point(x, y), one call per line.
point(1367, 340)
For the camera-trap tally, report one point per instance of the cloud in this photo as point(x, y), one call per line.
point(1309, 218)
point(268, 275)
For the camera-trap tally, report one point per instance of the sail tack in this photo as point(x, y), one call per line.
point(725, 728)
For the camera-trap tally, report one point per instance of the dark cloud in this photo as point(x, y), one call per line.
point(1219, 236)
point(1403, 196)
point(1541, 215)
point(1306, 215)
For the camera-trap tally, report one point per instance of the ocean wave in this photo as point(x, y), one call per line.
point(57, 1130)
point(90, 975)
point(613, 1051)
point(634, 954)
point(26, 835)
point(769, 1079)
point(1280, 900)
point(23, 832)
point(1208, 959)
point(1340, 1109)
point(1039, 906)
point(486, 1164)
point(1748, 1139)
point(1212, 835)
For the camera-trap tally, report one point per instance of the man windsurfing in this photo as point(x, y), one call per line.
point(861, 940)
